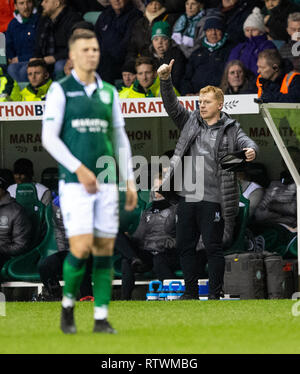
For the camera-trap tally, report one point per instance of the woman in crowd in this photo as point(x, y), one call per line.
point(256, 41)
point(237, 79)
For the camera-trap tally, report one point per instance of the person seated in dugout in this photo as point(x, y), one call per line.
point(23, 173)
point(15, 227)
point(275, 223)
point(250, 190)
point(39, 81)
point(152, 246)
point(147, 83)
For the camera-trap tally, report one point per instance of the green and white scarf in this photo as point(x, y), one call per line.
point(214, 46)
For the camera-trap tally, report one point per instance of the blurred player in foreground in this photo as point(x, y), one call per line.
point(83, 129)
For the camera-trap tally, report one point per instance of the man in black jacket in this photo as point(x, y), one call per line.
point(152, 246)
point(113, 29)
point(53, 31)
point(15, 227)
point(276, 82)
point(209, 196)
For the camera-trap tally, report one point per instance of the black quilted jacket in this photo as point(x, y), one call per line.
point(15, 227)
point(230, 138)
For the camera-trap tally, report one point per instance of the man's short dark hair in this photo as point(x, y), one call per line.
point(84, 34)
point(38, 62)
point(145, 60)
point(272, 57)
point(23, 166)
point(82, 25)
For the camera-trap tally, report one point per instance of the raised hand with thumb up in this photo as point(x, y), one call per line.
point(164, 71)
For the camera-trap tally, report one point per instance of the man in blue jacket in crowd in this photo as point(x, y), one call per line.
point(20, 39)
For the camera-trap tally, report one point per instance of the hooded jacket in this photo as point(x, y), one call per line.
point(230, 138)
point(15, 227)
point(248, 51)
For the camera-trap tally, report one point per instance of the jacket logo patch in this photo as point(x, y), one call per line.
point(3, 222)
point(105, 97)
point(217, 217)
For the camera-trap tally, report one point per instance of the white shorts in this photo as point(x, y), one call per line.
point(85, 213)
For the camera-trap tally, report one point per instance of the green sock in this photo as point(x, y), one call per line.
point(73, 272)
point(102, 279)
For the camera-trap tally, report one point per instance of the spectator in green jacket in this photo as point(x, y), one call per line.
point(39, 81)
point(9, 88)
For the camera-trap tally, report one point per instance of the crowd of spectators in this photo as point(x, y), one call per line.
point(242, 46)
point(204, 37)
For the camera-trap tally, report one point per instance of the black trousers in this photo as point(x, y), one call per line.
point(163, 264)
point(195, 219)
point(51, 272)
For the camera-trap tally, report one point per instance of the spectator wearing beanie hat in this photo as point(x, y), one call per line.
point(256, 41)
point(141, 34)
point(128, 76)
point(163, 51)
point(206, 64)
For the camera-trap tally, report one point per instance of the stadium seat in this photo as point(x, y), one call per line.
point(292, 247)
point(277, 239)
point(24, 267)
point(129, 220)
point(91, 16)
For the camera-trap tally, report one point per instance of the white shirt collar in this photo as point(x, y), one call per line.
point(97, 76)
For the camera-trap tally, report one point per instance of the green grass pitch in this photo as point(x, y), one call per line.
point(156, 327)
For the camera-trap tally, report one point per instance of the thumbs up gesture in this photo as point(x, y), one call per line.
point(164, 71)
